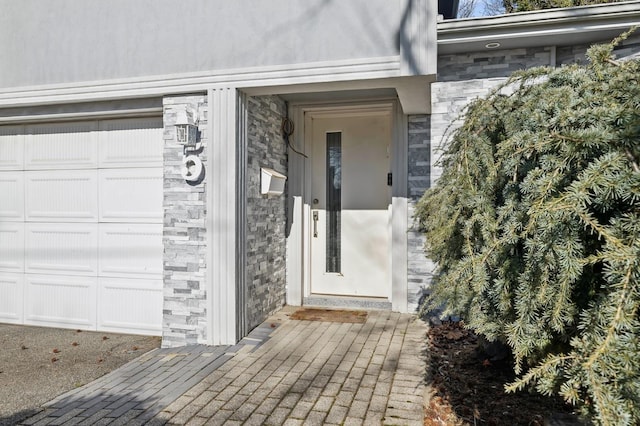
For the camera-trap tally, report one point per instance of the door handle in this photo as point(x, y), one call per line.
point(315, 224)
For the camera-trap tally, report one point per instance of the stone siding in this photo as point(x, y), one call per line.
point(502, 63)
point(491, 63)
point(419, 268)
point(448, 101)
point(427, 138)
point(184, 319)
point(629, 48)
point(566, 55)
point(461, 78)
point(265, 215)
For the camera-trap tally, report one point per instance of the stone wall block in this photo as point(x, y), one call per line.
point(490, 63)
point(265, 215)
point(184, 234)
point(419, 178)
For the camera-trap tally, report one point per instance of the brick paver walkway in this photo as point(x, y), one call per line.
point(305, 372)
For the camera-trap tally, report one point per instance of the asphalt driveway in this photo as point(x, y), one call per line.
point(37, 364)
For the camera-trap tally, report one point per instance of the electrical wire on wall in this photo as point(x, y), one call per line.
point(287, 130)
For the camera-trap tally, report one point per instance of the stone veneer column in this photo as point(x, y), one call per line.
point(184, 319)
point(427, 136)
point(266, 216)
point(419, 268)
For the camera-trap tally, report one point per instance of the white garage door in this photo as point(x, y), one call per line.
point(81, 225)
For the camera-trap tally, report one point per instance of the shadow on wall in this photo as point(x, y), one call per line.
point(363, 22)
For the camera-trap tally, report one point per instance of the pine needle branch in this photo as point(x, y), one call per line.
point(613, 326)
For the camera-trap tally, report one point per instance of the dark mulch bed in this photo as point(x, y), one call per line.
point(468, 386)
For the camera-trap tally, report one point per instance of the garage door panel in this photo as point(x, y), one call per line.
point(61, 146)
point(131, 195)
point(61, 248)
point(81, 213)
point(12, 291)
point(130, 306)
point(12, 196)
point(132, 250)
point(61, 301)
point(62, 196)
point(131, 142)
point(11, 148)
point(11, 247)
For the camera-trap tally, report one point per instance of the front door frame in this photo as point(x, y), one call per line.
point(299, 198)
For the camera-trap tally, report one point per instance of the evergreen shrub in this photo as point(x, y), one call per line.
point(535, 228)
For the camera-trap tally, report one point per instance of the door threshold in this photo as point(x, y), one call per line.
point(330, 301)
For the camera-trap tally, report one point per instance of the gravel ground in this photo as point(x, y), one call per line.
point(37, 364)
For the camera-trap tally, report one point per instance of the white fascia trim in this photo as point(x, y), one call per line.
point(141, 112)
point(317, 72)
point(548, 32)
point(541, 17)
point(541, 23)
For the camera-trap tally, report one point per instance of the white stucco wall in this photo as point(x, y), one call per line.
point(51, 42)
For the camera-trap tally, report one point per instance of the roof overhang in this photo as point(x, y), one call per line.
point(413, 91)
point(552, 27)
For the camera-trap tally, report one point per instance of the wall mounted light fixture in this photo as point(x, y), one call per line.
point(187, 135)
point(187, 127)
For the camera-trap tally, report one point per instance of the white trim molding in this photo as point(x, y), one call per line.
point(222, 268)
point(317, 72)
point(142, 112)
point(358, 74)
point(399, 213)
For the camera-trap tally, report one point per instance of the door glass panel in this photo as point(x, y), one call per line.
point(334, 204)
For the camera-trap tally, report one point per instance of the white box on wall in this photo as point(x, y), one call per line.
point(272, 182)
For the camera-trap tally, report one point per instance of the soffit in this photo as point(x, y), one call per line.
point(555, 27)
point(413, 91)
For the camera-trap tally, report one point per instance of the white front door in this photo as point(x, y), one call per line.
point(350, 204)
